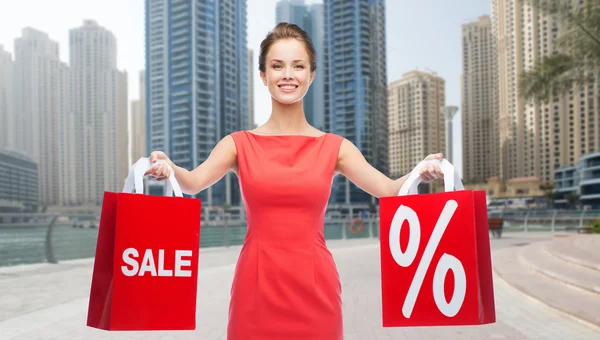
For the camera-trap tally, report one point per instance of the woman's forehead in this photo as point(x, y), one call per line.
point(289, 49)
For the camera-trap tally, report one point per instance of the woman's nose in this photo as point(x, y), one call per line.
point(288, 73)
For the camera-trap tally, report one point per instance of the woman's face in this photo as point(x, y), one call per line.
point(288, 74)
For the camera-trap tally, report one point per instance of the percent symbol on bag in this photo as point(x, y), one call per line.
point(447, 262)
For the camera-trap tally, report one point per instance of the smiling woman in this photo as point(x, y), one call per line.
point(286, 284)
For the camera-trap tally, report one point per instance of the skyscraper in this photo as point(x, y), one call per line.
point(100, 112)
point(416, 123)
point(196, 82)
point(291, 11)
point(356, 84)
point(251, 69)
point(536, 138)
point(310, 19)
point(479, 110)
point(7, 135)
point(41, 91)
point(138, 123)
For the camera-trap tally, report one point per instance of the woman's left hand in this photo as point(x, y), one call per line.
point(431, 169)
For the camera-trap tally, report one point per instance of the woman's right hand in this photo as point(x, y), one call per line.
point(162, 166)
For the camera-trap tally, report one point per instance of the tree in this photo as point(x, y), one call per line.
point(549, 193)
point(572, 198)
point(579, 58)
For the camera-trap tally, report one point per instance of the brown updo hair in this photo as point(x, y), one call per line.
point(282, 31)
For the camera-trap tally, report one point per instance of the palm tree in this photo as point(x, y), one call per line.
point(572, 198)
point(549, 193)
point(578, 61)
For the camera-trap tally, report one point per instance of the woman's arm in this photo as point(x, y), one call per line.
point(221, 159)
point(353, 165)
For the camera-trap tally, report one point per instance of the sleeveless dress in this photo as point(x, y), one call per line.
point(286, 284)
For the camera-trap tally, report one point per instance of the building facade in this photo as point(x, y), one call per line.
point(537, 138)
point(479, 112)
point(252, 68)
point(355, 85)
point(100, 113)
point(138, 123)
point(19, 188)
point(580, 181)
point(196, 82)
point(41, 106)
point(589, 184)
point(310, 19)
point(7, 135)
point(416, 121)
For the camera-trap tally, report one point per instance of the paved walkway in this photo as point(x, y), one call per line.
point(50, 302)
point(560, 273)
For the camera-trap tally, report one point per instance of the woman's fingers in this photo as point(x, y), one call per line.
point(153, 171)
point(156, 155)
point(431, 172)
point(160, 169)
point(438, 171)
point(434, 156)
point(424, 173)
point(163, 171)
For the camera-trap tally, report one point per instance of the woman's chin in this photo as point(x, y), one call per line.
point(284, 100)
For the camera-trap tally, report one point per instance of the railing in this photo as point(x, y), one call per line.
point(546, 220)
point(52, 238)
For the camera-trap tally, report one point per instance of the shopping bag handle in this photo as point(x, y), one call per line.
point(136, 178)
point(451, 178)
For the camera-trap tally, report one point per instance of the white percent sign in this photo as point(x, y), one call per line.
point(446, 263)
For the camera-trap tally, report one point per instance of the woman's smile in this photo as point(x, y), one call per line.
point(288, 88)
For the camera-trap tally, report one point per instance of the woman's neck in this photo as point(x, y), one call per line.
point(287, 119)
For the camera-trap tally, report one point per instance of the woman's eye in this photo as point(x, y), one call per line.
point(276, 66)
point(300, 66)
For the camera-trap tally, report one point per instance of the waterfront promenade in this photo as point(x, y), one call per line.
point(49, 301)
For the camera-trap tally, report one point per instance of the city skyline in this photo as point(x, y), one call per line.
point(435, 45)
point(196, 83)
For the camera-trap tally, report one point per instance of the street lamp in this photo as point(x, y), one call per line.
point(449, 112)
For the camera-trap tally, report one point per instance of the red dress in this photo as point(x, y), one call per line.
point(286, 284)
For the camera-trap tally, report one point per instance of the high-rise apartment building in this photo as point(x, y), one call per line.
point(100, 112)
point(416, 122)
point(310, 19)
point(7, 135)
point(536, 138)
point(196, 82)
point(291, 11)
point(479, 94)
point(41, 106)
point(252, 68)
point(18, 183)
point(356, 84)
point(138, 123)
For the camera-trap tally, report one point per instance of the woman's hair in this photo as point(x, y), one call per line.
point(282, 31)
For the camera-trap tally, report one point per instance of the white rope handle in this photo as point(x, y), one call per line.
point(136, 178)
point(451, 178)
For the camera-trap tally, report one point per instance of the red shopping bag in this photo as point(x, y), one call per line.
point(146, 264)
point(435, 256)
